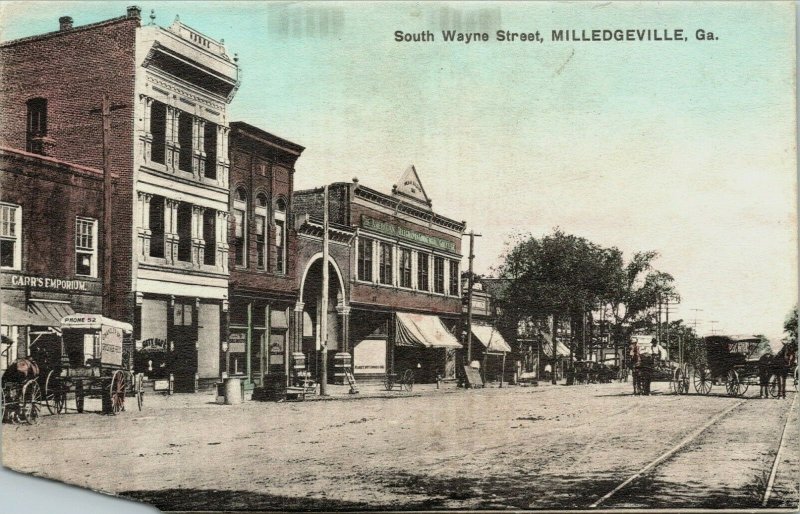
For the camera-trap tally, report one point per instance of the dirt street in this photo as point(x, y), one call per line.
point(535, 447)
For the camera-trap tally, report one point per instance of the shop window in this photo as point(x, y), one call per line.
point(423, 263)
point(454, 280)
point(210, 148)
point(10, 236)
point(240, 227)
point(438, 275)
point(209, 237)
point(385, 264)
point(158, 130)
point(183, 314)
point(261, 231)
point(86, 247)
point(185, 141)
point(365, 259)
point(37, 125)
point(157, 226)
point(280, 236)
point(405, 267)
point(184, 232)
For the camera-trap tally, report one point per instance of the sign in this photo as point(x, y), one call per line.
point(152, 345)
point(50, 283)
point(403, 233)
point(111, 345)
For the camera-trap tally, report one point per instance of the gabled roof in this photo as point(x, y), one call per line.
point(409, 186)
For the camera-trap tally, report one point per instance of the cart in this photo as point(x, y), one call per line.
point(731, 361)
point(20, 401)
point(403, 381)
point(96, 362)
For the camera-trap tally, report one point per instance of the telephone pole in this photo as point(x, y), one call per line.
point(695, 319)
point(472, 235)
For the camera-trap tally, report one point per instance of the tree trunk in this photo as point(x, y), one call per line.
point(555, 349)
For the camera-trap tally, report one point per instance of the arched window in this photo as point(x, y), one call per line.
point(280, 236)
point(240, 226)
point(261, 230)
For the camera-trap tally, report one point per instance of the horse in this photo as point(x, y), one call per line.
point(642, 366)
point(778, 365)
point(21, 370)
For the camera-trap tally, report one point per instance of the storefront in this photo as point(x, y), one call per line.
point(423, 343)
point(493, 350)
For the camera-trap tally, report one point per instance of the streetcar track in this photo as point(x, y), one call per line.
point(669, 453)
point(777, 461)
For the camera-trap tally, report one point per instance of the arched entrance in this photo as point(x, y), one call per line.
point(337, 312)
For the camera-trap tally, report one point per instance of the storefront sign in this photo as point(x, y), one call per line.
point(111, 346)
point(404, 233)
point(56, 284)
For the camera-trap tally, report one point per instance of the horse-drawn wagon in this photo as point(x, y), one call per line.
point(21, 396)
point(731, 361)
point(95, 362)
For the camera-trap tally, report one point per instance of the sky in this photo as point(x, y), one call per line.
point(686, 148)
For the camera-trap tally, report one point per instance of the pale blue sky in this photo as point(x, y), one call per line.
point(686, 148)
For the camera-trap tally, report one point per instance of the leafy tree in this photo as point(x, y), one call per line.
point(790, 327)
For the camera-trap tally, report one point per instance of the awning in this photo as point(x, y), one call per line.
point(54, 310)
point(423, 330)
point(12, 316)
point(490, 338)
point(547, 346)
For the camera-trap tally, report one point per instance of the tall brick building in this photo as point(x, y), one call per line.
point(399, 302)
point(169, 89)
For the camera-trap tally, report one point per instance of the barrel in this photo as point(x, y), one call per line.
point(233, 391)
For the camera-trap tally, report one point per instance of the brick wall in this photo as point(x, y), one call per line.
point(72, 69)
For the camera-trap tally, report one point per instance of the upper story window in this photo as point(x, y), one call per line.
point(158, 130)
point(385, 264)
point(240, 227)
point(209, 237)
point(184, 232)
point(157, 226)
point(405, 267)
point(210, 148)
point(185, 141)
point(260, 219)
point(10, 236)
point(454, 281)
point(365, 259)
point(438, 275)
point(86, 247)
point(280, 236)
point(36, 125)
point(423, 263)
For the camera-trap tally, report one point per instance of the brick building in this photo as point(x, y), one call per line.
point(262, 255)
point(50, 226)
point(396, 298)
point(168, 89)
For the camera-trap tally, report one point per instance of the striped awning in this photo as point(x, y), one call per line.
point(547, 346)
point(12, 316)
point(423, 330)
point(52, 310)
point(490, 338)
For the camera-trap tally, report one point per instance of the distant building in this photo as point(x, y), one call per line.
point(395, 301)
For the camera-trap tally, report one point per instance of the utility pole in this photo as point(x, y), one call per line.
point(323, 390)
point(105, 112)
point(472, 235)
point(713, 330)
point(695, 319)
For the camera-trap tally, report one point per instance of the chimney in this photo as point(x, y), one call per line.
point(134, 12)
point(65, 23)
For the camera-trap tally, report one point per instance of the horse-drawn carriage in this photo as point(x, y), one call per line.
point(735, 362)
point(95, 362)
point(20, 401)
point(591, 372)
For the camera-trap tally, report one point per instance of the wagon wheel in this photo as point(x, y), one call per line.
point(79, 396)
point(388, 382)
point(773, 386)
point(2, 404)
point(117, 390)
point(408, 381)
point(733, 385)
point(702, 380)
point(55, 398)
point(795, 378)
point(138, 389)
point(31, 402)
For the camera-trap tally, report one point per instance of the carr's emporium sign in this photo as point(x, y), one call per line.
point(50, 283)
point(404, 233)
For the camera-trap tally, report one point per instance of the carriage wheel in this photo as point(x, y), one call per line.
point(79, 396)
point(795, 379)
point(31, 402)
point(139, 390)
point(408, 383)
point(388, 383)
point(732, 384)
point(702, 381)
point(55, 398)
point(117, 391)
point(773, 386)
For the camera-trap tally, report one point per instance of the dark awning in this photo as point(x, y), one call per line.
point(52, 310)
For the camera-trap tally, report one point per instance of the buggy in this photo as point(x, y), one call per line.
point(731, 361)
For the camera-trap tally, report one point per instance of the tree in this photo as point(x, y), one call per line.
point(790, 327)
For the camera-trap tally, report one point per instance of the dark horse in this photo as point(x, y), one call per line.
point(21, 371)
point(642, 369)
point(778, 366)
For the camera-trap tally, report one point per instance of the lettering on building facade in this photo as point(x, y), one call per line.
point(404, 233)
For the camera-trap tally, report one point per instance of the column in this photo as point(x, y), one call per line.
point(222, 240)
point(198, 243)
point(198, 152)
point(146, 137)
point(171, 230)
point(223, 164)
point(172, 147)
point(297, 339)
point(144, 232)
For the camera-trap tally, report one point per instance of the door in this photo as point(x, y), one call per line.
point(184, 338)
